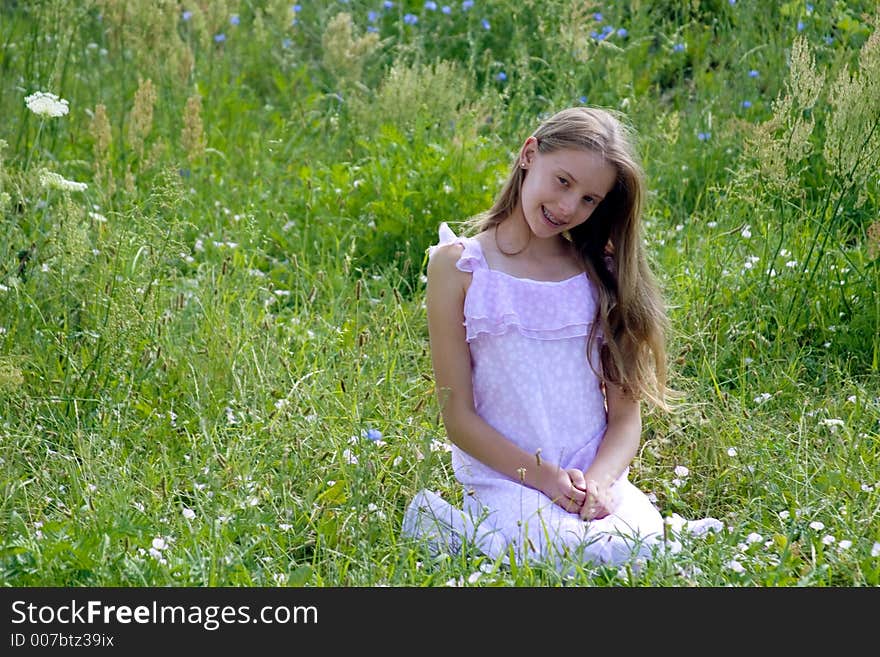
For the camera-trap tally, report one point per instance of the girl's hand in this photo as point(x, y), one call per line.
point(559, 486)
point(598, 501)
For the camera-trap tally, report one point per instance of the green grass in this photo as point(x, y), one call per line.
point(196, 366)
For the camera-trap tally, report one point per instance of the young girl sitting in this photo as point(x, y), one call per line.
point(546, 330)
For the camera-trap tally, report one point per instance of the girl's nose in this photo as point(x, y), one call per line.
point(567, 204)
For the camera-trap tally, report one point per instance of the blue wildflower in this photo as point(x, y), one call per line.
point(678, 47)
point(446, 9)
point(287, 43)
point(431, 6)
point(747, 104)
point(410, 19)
point(622, 33)
point(372, 434)
point(387, 4)
point(467, 4)
point(296, 8)
point(732, 2)
point(597, 17)
point(372, 28)
point(220, 38)
point(809, 8)
point(234, 19)
point(187, 15)
point(704, 136)
point(501, 77)
point(753, 73)
point(829, 40)
point(485, 24)
point(583, 100)
point(800, 26)
point(372, 16)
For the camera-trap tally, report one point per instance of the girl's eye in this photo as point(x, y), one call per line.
point(562, 181)
point(589, 199)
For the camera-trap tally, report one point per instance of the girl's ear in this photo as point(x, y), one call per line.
point(527, 153)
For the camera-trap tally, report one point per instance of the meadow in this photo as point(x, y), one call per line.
point(214, 365)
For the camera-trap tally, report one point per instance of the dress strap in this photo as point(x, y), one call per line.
point(471, 257)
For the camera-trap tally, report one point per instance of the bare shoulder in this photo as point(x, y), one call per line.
point(445, 256)
point(442, 264)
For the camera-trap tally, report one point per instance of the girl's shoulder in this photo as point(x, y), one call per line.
point(455, 252)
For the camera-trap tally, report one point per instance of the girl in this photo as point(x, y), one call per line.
point(546, 330)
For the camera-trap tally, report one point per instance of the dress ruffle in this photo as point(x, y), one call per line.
point(497, 302)
point(471, 258)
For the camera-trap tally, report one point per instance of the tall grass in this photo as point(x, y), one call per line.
point(213, 361)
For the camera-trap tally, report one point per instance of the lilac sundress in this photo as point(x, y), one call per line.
point(533, 383)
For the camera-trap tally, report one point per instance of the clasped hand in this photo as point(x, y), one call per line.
point(571, 490)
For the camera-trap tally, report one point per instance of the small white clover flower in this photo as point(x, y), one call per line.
point(828, 540)
point(845, 544)
point(159, 543)
point(681, 471)
point(784, 515)
point(875, 549)
point(746, 232)
point(43, 103)
point(735, 566)
point(188, 513)
point(832, 423)
point(764, 396)
point(731, 451)
point(754, 537)
point(817, 525)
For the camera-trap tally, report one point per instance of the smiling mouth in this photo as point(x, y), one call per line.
point(549, 217)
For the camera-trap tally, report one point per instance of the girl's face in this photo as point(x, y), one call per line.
point(562, 189)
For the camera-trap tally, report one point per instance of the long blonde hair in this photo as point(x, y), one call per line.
point(630, 314)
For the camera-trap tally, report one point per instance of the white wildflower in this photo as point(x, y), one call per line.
point(159, 543)
point(828, 540)
point(764, 396)
point(735, 566)
point(875, 549)
point(784, 515)
point(817, 525)
point(754, 537)
point(188, 513)
point(55, 181)
point(731, 451)
point(746, 232)
point(681, 471)
point(845, 544)
point(43, 103)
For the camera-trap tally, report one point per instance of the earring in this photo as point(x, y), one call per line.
point(522, 165)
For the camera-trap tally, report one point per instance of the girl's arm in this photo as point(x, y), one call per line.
point(617, 450)
point(451, 359)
